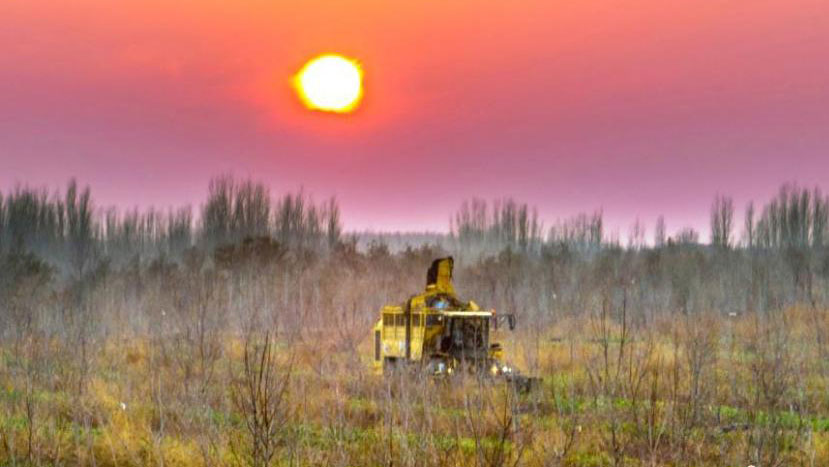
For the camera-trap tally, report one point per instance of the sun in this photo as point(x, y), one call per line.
point(331, 83)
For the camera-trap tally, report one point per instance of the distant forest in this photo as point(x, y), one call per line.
point(66, 245)
point(779, 247)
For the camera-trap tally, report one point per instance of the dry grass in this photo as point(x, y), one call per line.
point(761, 398)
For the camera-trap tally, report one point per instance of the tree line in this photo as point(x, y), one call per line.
point(70, 231)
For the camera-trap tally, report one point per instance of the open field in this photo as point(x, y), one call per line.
point(139, 340)
point(701, 391)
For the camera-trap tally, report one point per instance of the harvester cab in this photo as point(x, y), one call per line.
point(440, 333)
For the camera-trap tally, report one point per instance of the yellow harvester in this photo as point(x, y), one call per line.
point(440, 333)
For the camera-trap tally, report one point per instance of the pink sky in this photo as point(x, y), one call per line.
point(640, 108)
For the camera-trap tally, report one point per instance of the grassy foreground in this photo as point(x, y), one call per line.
point(703, 390)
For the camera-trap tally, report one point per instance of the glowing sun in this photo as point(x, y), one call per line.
point(330, 83)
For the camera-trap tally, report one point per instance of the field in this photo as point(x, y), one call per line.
point(232, 346)
point(701, 391)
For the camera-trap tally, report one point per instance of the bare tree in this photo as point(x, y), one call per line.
point(749, 231)
point(636, 237)
point(260, 392)
point(722, 217)
point(659, 235)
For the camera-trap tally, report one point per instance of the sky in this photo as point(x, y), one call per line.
point(640, 108)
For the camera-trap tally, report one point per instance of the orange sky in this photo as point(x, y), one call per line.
point(641, 107)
